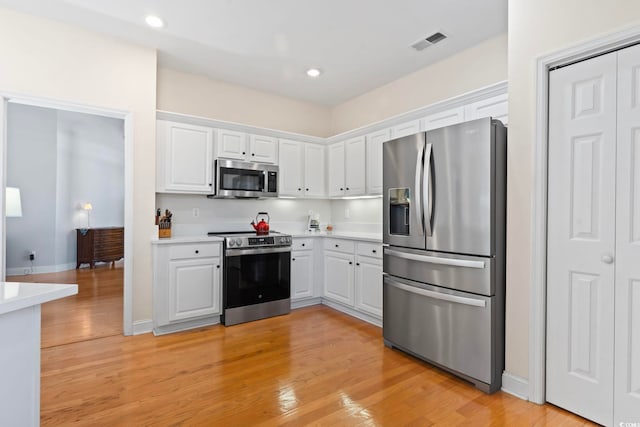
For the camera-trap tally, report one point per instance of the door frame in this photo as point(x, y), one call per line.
point(127, 117)
point(538, 297)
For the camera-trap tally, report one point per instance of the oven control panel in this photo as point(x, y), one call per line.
point(260, 241)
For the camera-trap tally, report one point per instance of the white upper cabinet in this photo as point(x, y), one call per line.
point(263, 149)
point(251, 148)
point(231, 144)
point(336, 169)
point(291, 168)
point(443, 118)
point(184, 158)
point(496, 107)
point(302, 169)
point(354, 166)
point(314, 170)
point(374, 160)
point(405, 129)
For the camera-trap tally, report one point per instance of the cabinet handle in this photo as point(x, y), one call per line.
point(197, 251)
point(350, 263)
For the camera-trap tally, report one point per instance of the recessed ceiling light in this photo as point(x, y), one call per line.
point(154, 21)
point(313, 72)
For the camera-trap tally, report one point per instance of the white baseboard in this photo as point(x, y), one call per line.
point(515, 385)
point(22, 271)
point(353, 313)
point(305, 303)
point(142, 326)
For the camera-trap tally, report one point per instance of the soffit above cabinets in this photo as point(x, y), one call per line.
point(266, 45)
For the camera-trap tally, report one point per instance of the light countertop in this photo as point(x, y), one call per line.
point(17, 295)
point(368, 237)
point(187, 239)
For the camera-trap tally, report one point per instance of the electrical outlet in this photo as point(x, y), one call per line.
point(32, 256)
point(196, 212)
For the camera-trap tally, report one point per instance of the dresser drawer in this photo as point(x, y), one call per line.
point(194, 250)
point(339, 245)
point(301, 244)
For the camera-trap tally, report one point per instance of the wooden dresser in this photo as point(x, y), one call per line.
point(105, 244)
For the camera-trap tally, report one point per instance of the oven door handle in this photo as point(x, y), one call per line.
point(257, 251)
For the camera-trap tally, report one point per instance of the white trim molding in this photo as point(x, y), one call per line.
point(538, 307)
point(515, 385)
point(142, 327)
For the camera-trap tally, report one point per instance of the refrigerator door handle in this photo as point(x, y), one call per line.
point(428, 189)
point(437, 295)
point(437, 260)
point(418, 190)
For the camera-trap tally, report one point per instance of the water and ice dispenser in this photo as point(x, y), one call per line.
point(399, 211)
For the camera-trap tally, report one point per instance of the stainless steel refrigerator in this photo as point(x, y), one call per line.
point(444, 255)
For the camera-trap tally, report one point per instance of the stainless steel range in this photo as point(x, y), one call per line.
point(257, 276)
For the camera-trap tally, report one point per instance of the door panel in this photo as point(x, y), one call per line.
point(627, 252)
point(403, 213)
point(462, 189)
point(581, 233)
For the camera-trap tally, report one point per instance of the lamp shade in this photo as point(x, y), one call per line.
point(13, 203)
point(87, 207)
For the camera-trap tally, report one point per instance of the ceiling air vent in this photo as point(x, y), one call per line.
point(428, 41)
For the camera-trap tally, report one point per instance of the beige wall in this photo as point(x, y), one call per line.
point(201, 96)
point(536, 29)
point(471, 69)
point(43, 58)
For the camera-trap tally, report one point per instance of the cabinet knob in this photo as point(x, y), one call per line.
point(197, 251)
point(244, 152)
point(337, 246)
point(374, 251)
point(357, 263)
point(210, 184)
point(217, 266)
point(299, 189)
point(293, 259)
point(341, 189)
point(307, 189)
point(350, 263)
point(347, 188)
point(253, 154)
point(303, 244)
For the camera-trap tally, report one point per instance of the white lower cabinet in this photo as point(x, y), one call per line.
point(353, 275)
point(301, 274)
point(186, 285)
point(369, 285)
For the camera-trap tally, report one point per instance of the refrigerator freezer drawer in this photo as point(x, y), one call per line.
point(455, 330)
point(459, 272)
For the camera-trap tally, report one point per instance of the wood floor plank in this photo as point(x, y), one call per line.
point(315, 366)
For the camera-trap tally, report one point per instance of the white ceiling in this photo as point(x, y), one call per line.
point(268, 44)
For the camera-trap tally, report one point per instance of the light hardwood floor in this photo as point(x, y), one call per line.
point(315, 366)
point(95, 312)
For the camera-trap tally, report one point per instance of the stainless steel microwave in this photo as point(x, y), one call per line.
point(235, 179)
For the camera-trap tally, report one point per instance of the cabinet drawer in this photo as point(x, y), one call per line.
point(194, 250)
point(369, 249)
point(301, 244)
point(339, 245)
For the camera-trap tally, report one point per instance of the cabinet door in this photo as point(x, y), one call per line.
point(338, 277)
point(354, 166)
point(194, 288)
point(263, 149)
point(336, 169)
point(374, 160)
point(369, 285)
point(301, 274)
point(185, 158)
point(314, 170)
point(231, 144)
point(496, 107)
point(405, 129)
point(291, 168)
point(443, 118)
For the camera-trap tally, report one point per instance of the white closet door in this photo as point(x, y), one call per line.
point(581, 235)
point(627, 335)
